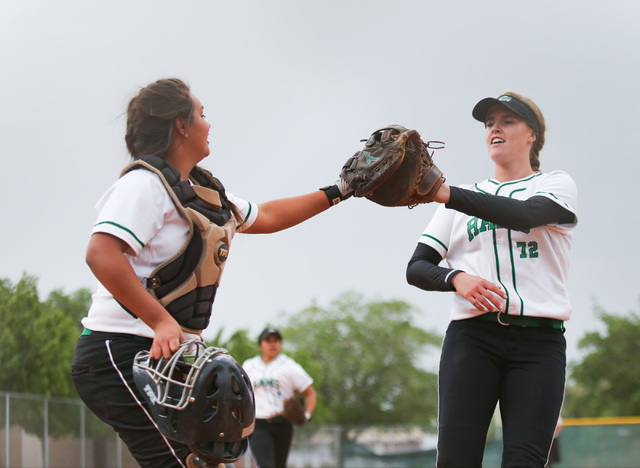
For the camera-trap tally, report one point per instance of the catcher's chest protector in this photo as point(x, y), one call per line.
point(186, 284)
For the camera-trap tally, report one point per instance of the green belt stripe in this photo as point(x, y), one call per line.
point(87, 332)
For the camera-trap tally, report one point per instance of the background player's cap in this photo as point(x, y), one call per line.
point(513, 104)
point(268, 331)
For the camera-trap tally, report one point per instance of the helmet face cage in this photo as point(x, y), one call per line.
point(176, 377)
point(200, 397)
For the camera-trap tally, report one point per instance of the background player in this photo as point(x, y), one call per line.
point(506, 241)
point(275, 377)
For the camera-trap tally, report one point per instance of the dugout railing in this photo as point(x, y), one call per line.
point(38, 431)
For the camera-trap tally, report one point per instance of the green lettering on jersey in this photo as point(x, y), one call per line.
point(475, 226)
point(486, 226)
point(266, 383)
point(472, 228)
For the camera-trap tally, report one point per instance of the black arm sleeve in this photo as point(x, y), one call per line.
point(423, 270)
point(519, 215)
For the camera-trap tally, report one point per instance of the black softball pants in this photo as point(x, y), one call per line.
point(102, 371)
point(270, 443)
point(483, 363)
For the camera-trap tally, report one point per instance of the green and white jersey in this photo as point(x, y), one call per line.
point(531, 267)
point(275, 381)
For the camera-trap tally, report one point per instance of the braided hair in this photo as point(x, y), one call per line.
point(534, 155)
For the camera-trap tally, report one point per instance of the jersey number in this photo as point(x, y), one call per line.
point(532, 248)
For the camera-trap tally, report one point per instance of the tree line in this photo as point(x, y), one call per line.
point(365, 356)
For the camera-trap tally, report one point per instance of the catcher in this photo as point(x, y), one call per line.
point(277, 382)
point(394, 169)
point(158, 249)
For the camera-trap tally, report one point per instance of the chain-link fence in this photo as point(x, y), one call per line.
point(36, 431)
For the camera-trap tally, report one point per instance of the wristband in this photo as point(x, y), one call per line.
point(333, 194)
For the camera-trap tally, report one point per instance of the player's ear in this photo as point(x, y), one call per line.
point(181, 126)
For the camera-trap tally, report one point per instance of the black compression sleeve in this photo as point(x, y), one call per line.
point(423, 270)
point(519, 215)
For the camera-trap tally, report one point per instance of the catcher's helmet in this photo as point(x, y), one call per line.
point(201, 397)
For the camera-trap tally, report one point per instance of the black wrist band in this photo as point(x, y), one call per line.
point(333, 194)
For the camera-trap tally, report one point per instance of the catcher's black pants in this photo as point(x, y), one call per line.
point(102, 371)
point(270, 443)
point(522, 368)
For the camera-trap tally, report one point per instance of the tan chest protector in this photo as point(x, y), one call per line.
point(186, 284)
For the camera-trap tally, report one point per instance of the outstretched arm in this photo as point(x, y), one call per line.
point(520, 215)
point(276, 215)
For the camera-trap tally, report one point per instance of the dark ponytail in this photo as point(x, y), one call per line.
point(150, 122)
point(152, 113)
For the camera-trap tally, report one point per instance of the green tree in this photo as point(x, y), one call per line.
point(74, 305)
point(239, 345)
point(37, 340)
point(365, 360)
point(606, 381)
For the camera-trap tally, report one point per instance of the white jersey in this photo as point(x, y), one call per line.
point(274, 382)
point(139, 210)
point(531, 267)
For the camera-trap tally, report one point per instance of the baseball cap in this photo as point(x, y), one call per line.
point(268, 331)
point(515, 105)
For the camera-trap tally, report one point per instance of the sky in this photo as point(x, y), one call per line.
point(290, 89)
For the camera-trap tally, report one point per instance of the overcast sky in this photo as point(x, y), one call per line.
point(290, 88)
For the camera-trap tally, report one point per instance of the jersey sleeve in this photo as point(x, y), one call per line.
point(561, 188)
point(299, 377)
point(438, 232)
point(249, 212)
point(133, 209)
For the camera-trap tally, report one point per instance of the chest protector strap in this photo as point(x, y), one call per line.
point(186, 284)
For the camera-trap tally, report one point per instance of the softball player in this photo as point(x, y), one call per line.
point(139, 229)
point(506, 242)
point(275, 377)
